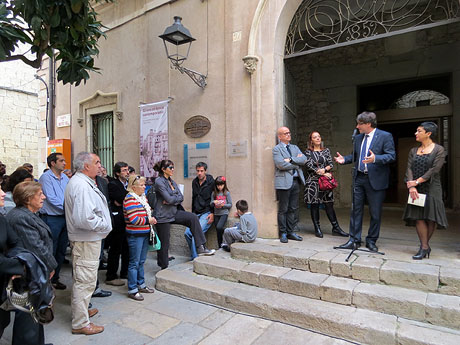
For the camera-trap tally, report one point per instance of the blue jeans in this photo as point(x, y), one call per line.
point(138, 247)
point(188, 234)
point(58, 229)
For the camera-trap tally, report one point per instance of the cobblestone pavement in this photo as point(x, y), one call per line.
point(163, 319)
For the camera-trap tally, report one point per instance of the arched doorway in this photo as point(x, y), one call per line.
point(343, 60)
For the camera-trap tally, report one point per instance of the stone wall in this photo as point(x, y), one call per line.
point(327, 82)
point(21, 124)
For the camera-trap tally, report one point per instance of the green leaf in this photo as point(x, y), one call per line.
point(55, 19)
point(73, 33)
point(36, 23)
point(76, 5)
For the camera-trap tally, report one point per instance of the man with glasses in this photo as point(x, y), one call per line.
point(374, 150)
point(288, 175)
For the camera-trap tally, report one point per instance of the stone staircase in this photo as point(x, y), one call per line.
point(371, 299)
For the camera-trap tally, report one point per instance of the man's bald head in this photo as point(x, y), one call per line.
point(284, 135)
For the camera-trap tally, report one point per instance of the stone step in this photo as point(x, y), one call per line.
point(372, 268)
point(413, 304)
point(341, 321)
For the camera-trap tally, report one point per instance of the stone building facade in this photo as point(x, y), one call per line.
point(251, 83)
point(22, 130)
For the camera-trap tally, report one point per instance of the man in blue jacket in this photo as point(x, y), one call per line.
point(374, 150)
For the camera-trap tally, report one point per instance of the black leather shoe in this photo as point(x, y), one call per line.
point(102, 267)
point(372, 247)
point(102, 293)
point(283, 238)
point(295, 237)
point(58, 285)
point(350, 245)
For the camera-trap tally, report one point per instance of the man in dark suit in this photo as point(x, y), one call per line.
point(118, 243)
point(374, 150)
point(288, 161)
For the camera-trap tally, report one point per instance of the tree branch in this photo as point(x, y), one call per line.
point(33, 63)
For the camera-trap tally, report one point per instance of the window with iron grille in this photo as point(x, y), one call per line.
point(103, 139)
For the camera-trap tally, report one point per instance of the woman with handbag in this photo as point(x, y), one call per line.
point(139, 222)
point(320, 183)
point(423, 178)
point(35, 236)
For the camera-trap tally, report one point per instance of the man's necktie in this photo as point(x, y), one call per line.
point(289, 150)
point(363, 154)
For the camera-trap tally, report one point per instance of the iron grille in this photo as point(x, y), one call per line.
point(103, 139)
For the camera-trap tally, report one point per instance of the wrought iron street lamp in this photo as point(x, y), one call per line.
point(178, 40)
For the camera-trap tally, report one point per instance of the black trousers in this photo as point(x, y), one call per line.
point(25, 330)
point(364, 191)
point(185, 218)
point(118, 247)
point(219, 223)
point(288, 208)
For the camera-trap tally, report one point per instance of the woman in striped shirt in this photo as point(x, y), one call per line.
point(138, 219)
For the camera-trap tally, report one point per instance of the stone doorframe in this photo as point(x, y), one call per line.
point(265, 64)
point(98, 103)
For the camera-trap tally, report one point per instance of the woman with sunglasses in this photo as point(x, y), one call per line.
point(168, 210)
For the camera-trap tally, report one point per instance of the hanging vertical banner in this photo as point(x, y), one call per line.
point(154, 136)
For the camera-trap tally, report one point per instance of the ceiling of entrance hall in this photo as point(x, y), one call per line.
point(324, 24)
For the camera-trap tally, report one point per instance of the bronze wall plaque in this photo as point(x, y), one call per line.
point(197, 126)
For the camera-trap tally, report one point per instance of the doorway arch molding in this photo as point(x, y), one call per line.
point(265, 65)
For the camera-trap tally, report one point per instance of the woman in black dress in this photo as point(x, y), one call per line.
point(423, 177)
point(319, 162)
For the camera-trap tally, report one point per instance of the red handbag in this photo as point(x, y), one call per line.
point(327, 183)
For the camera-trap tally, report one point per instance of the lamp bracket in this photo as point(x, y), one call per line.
point(198, 78)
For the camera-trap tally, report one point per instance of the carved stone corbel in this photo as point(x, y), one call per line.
point(250, 63)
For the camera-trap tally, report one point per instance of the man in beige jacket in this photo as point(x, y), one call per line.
point(88, 222)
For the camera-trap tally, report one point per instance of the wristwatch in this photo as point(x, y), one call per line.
point(416, 181)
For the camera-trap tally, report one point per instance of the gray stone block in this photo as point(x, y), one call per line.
point(260, 252)
point(412, 333)
point(302, 283)
point(449, 279)
point(223, 268)
point(270, 278)
point(338, 290)
point(341, 268)
point(366, 268)
point(391, 300)
point(321, 262)
point(443, 310)
point(250, 273)
point(414, 275)
point(298, 259)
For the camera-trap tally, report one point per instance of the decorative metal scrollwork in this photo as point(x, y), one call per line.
point(321, 23)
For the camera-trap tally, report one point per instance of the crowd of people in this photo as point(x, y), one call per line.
point(90, 211)
point(373, 151)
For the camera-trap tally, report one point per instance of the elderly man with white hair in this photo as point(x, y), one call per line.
point(88, 222)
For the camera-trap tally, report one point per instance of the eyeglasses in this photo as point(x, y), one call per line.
point(287, 133)
point(137, 178)
point(171, 167)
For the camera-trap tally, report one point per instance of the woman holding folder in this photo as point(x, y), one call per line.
point(424, 182)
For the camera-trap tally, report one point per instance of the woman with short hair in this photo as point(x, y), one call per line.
point(35, 236)
point(139, 220)
point(423, 177)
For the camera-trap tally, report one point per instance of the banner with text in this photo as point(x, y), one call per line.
point(154, 136)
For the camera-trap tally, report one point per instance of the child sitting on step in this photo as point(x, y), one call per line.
point(245, 230)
